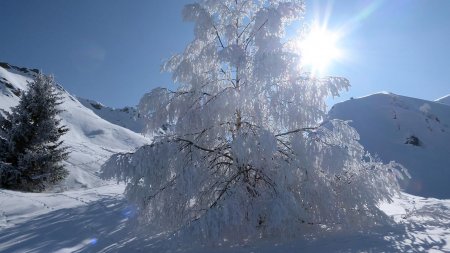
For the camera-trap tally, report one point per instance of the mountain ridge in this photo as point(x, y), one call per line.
point(444, 100)
point(127, 117)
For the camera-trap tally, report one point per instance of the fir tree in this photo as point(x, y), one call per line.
point(31, 152)
point(247, 149)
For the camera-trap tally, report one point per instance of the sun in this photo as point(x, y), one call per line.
point(319, 48)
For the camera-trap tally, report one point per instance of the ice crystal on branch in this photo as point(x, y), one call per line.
point(243, 147)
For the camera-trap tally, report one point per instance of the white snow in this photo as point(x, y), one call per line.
point(91, 139)
point(444, 100)
point(127, 117)
point(18, 79)
point(386, 121)
point(97, 218)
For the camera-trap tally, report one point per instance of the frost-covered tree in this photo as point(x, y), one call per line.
point(243, 147)
point(31, 152)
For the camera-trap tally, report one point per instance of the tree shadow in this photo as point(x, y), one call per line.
point(423, 230)
point(79, 229)
point(396, 238)
point(108, 225)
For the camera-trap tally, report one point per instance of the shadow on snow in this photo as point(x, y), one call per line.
point(102, 226)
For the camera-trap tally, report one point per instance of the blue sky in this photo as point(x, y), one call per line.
point(111, 51)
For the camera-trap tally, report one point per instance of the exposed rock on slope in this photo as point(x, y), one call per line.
point(413, 132)
point(127, 117)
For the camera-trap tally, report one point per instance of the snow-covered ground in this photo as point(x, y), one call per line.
point(99, 220)
point(87, 214)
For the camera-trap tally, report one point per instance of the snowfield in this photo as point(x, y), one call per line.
point(86, 214)
point(99, 220)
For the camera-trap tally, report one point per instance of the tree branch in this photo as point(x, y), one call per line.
point(218, 36)
point(191, 143)
point(305, 129)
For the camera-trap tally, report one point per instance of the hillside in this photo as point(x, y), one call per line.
point(91, 139)
point(413, 132)
point(127, 117)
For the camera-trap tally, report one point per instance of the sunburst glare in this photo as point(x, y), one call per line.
point(319, 48)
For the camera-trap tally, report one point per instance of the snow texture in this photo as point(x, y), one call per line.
point(444, 100)
point(242, 149)
point(99, 220)
point(127, 117)
point(30, 149)
point(385, 122)
point(91, 139)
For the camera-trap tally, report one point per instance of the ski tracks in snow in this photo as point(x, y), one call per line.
point(17, 207)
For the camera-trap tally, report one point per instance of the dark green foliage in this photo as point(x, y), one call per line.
point(31, 153)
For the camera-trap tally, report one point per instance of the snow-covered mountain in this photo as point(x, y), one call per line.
point(413, 132)
point(127, 117)
point(444, 100)
point(98, 219)
point(90, 139)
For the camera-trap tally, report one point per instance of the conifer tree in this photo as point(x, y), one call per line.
point(31, 152)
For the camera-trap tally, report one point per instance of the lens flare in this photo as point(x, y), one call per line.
point(129, 211)
point(319, 48)
point(93, 241)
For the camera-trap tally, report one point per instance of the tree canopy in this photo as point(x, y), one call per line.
point(243, 147)
point(31, 151)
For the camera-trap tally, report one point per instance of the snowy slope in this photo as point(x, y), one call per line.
point(12, 81)
point(127, 117)
point(444, 100)
point(413, 132)
point(91, 139)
